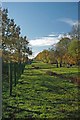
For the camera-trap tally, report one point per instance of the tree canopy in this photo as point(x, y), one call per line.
point(15, 47)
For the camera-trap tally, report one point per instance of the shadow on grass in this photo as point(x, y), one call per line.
point(39, 89)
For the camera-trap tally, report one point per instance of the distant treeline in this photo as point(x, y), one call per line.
point(66, 51)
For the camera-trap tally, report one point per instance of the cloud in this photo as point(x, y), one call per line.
point(62, 36)
point(48, 40)
point(69, 21)
point(52, 35)
point(44, 41)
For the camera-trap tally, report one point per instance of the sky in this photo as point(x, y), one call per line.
point(44, 23)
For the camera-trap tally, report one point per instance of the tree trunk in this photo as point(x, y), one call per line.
point(57, 64)
point(60, 63)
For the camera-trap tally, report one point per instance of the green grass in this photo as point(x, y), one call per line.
point(38, 95)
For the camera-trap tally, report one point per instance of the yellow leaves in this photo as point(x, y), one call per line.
point(69, 59)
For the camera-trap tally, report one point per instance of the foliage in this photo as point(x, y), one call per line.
point(12, 42)
point(66, 52)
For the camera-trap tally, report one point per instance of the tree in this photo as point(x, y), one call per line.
point(61, 49)
point(43, 56)
point(75, 32)
point(73, 50)
point(15, 48)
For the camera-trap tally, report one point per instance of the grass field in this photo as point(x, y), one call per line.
point(39, 95)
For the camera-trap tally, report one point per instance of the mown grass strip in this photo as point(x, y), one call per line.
point(39, 95)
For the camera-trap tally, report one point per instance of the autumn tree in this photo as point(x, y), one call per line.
point(61, 49)
point(15, 48)
point(43, 56)
point(73, 50)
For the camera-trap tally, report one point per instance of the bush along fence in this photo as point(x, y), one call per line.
point(11, 73)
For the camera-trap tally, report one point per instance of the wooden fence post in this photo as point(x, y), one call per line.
point(10, 77)
point(15, 74)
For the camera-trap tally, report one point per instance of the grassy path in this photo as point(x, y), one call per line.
point(38, 95)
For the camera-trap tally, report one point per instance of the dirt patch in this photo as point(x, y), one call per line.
point(72, 79)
